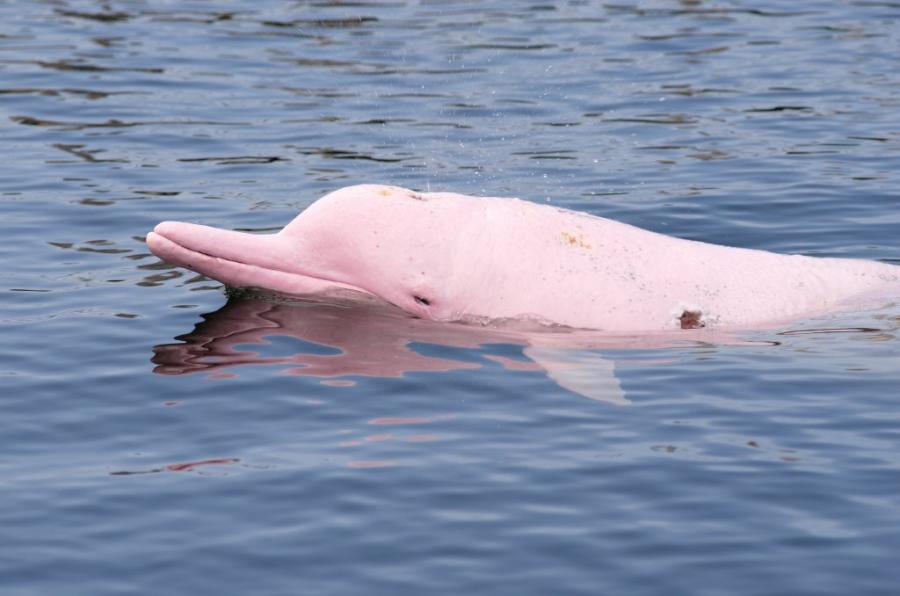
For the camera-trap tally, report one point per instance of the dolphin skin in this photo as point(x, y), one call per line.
point(451, 257)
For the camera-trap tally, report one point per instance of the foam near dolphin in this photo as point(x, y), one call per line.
point(449, 257)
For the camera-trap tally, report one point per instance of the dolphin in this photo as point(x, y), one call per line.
point(451, 257)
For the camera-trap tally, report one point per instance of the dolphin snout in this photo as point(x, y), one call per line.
point(238, 259)
point(214, 252)
point(241, 247)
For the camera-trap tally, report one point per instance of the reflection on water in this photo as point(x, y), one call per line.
point(336, 341)
point(339, 341)
point(331, 340)
point(180, 467)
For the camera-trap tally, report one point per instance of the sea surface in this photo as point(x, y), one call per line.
point(159, 435)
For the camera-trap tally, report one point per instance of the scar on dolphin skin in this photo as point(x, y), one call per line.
point(691, 319)
point(574, 240)
point(389, 192)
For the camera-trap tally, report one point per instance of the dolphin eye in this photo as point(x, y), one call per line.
point(421, 300)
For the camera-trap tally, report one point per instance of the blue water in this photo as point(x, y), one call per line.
point(158, 438)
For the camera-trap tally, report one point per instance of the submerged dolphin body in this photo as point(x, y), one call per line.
point(450, 257)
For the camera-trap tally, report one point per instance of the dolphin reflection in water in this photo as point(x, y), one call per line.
point(337, 341)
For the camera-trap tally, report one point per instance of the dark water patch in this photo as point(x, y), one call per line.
point(329, 153)
point(235, 160)
point(384, 121)
point(317, 119)
point(329, 63)
point(836, 330)
point(869, 3)
point(328, 93)
point(653, 119)
point(558, 124)
point(103, 17)
point(781, 109)
point(95, 202)
point(702, 51)
point(466, 106)
point(158, 193)
point(95, 246)
point(877, 139)
point(684, 35)
point(809, 152)
point(384, 70)
point(113, 123)
point(352, 22)
point(136, 472)
point(549, 154)
point(274, 34)
point(710, 155)
point(456, 125)
point(86, 93)
point(201, 17)
point(509, 46)
point(80, 66)
point(701, 11)
point(83, 154)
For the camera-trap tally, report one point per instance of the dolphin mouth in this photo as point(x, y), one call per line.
point(237, 259)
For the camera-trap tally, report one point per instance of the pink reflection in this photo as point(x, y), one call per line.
point(182, 467)
point(369, 340)
point(190, 466)
point(333, 341)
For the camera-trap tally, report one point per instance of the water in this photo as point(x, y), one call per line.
point(157, 438)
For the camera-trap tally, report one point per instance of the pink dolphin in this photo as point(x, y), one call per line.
point(450, 257)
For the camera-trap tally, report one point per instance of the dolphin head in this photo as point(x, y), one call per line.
point(406, 248)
